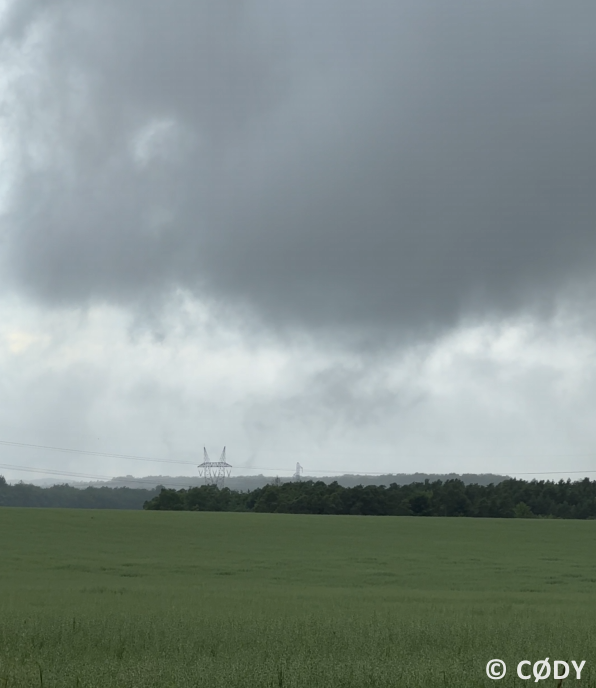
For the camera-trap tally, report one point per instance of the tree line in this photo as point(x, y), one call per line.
point(511, 498)
point(246, 483)
point(66, 496)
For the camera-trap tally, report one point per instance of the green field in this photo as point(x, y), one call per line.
point(117, 598)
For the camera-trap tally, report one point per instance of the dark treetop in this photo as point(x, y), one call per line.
point(510, 498)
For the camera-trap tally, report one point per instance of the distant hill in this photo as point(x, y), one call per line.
point(252, 482)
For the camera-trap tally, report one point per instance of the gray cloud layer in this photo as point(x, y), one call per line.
point(391, 166)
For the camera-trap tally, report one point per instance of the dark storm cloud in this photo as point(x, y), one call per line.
point(388, 165)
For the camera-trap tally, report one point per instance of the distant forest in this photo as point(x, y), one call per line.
point(246, 483)
point(453, 497)
point(509, 499)
point(66, 496)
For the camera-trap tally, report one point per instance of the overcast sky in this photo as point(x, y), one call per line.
point(361, 236)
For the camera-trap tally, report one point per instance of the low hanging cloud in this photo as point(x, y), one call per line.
point(490, 398)
point(356, 236)
point(393, 167)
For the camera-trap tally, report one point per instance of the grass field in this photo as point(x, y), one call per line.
point(131, 599)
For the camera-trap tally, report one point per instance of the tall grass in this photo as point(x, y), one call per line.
point(134, 599)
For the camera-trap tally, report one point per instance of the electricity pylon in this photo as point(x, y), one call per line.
point(215, 472)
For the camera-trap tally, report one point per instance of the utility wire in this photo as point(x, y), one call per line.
point(94, 453)
point(47, 471)
point(145, 481)
point(130, 457)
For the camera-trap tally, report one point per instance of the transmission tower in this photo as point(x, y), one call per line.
point(215, 472)
point(298, 475)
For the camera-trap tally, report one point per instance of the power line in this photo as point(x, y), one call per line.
point(48, 471)
point(327, 472)
point(132, 457)
point(144, 481)
point(548, 472)
point(129, 457)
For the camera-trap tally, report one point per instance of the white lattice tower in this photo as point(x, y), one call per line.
point(215, 472)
